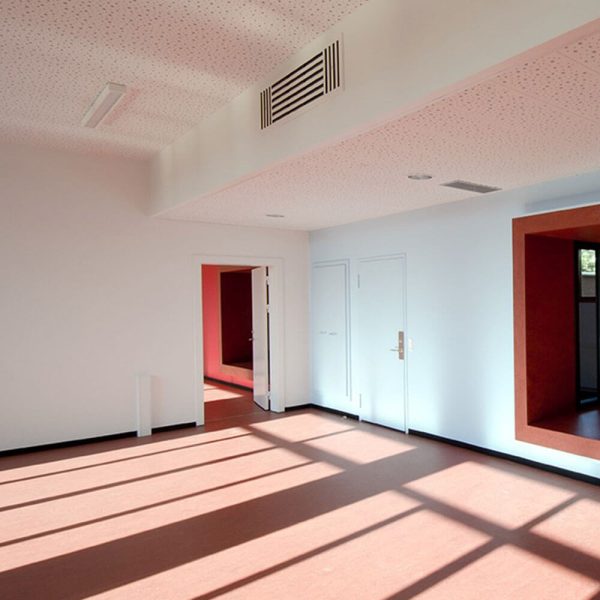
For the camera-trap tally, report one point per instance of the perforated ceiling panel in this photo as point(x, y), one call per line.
point(537, 121)
point(181, 60)
point(586, 51)
point(561, 80)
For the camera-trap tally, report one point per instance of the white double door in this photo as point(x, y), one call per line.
point(329, 323)
point(380, 350)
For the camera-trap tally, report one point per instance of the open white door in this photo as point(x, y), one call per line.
point(260, 336)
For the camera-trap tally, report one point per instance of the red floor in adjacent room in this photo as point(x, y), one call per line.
point(299, 505)
point(583, 423)
point(222, 401)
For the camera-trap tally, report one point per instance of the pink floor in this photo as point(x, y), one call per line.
point(302, 505)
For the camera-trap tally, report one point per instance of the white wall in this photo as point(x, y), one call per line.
point(93, 292)
point(459, 292)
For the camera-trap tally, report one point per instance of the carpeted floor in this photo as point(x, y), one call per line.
point(302, 505)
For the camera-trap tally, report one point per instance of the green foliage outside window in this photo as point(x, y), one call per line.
point(587, 260)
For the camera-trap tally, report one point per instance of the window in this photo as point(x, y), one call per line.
point(587, 272)
point(588, 334)
point(556, 321)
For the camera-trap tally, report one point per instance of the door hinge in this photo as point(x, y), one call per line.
point(358, 279)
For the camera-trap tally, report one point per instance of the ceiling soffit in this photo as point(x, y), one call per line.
point(537, 120)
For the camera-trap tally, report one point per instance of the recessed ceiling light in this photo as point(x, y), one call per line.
point(274, 216)
point(420, 176)
point(105, 101)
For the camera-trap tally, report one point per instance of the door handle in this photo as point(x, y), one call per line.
point(400, 348)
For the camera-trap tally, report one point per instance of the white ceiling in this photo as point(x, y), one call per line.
point(535, 121)
point(181, 60)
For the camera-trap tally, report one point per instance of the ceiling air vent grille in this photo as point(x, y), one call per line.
point(312, 80)
point(469, 186)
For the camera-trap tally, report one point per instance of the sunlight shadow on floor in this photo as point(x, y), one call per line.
point(302, 505)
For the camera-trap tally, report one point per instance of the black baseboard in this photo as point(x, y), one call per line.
point(480, 449)
point(510, 457)
point(68, 444)
point(92, 440)
point(298, 407)
point(332, 411)
point(173, 427)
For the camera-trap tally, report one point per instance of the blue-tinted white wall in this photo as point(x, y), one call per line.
point(460, 315)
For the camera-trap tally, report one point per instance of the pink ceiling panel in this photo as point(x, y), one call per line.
point(181, 61)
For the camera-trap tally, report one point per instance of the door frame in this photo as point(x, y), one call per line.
point(276, 325)
point(407, 350)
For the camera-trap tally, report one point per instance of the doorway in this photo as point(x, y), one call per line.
point(381, 348)
point(238, 336)
point(235, 340)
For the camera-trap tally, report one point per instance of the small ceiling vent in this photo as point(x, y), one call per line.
point(318, 76)
point(469, 186)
